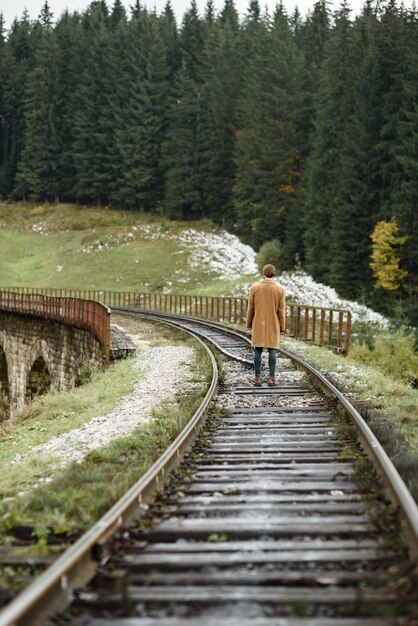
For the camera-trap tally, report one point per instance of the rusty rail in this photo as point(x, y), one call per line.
point(317, 325)
point(81, 313)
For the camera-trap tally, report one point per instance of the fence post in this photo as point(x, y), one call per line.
point(298, 313)
point(313, 324)
point(340, 329)
point(306, 324)
point(322, 328)
point(347, 333)
point(330, 329)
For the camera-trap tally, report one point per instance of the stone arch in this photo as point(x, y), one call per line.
point(39, 371)
point(4, 384)
point(38, 380)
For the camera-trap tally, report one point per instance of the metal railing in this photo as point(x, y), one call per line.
point(317, 325)
point(89, 315)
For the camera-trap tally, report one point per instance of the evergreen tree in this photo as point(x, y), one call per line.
point(333, 107)
point(391, 45)
point(222, 72)
point(356, 205)
point(311, 38)
point(404, 194)
point(192, 41)
point(229, 15)
point(15, 66)
point(247, 190)
point(38, 175)
point(183, 198)
point(94, 117)
point(4, 142)
point(170, 36)
point(267, 146)
point(182, 145)
point(68, 61)
point(142, 116)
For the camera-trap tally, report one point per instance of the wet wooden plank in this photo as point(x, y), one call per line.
point(273, 486)
point(263, 544)
point(301, 456)
point(317, 498)
point(320, 406)
point(299, 434)
point(231, 559)
point(262, 465)
point(275, 425)
point(241, 621)
point(229, 474)
point(289, 527)
point(247, 593)
point(282, 445)
point(254, 577)
point(207, 508)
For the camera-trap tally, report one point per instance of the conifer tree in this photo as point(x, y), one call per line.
point(267, 146)
point(4, 142)
point(182, 144)
point(142, 116)
point(183, 197)
point(38, 175)
point(170, 36)
point(332, 111)
point(16, 64)
point(404, 194)
point(356, 204)
point(94, 118)
point(222, 79)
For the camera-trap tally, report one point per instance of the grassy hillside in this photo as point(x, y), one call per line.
point(89, 248)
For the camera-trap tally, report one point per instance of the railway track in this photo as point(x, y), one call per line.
point(274, 518)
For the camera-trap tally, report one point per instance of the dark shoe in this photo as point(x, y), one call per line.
point(257, 380)
point(271, 381)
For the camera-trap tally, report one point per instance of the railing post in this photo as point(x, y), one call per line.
point(292, 320)
point(313, 324)
point(330, 329)
point(322, 328)
point(298, 313)
point(347, 333)
point(340, 329)
point(306, 324)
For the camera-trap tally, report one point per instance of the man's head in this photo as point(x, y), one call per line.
point(269, 271)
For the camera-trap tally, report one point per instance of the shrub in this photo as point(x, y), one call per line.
point(394, 354)
point(270, 252)
point(85, 373)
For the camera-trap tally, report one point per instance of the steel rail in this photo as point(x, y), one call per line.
point(392, 481)
point(394, 486)
point(53, 589)
point(173, 318)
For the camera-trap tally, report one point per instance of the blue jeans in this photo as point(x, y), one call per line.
point(272, 360)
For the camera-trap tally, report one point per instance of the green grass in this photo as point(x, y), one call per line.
point(393, 353)
point(51, 416)
point(133, 260)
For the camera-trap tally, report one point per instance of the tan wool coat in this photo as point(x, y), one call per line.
point(266, 313)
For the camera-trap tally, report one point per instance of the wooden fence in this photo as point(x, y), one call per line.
point(317, 325)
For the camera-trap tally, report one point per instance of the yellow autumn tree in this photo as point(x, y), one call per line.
point(385, 262)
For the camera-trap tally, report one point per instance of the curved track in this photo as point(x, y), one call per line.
point(265, 524)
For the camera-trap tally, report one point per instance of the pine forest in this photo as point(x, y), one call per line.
point(298, 133)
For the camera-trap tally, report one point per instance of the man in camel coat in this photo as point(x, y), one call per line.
point(266, 315)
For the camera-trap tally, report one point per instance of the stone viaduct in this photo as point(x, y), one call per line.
point(39, 354)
